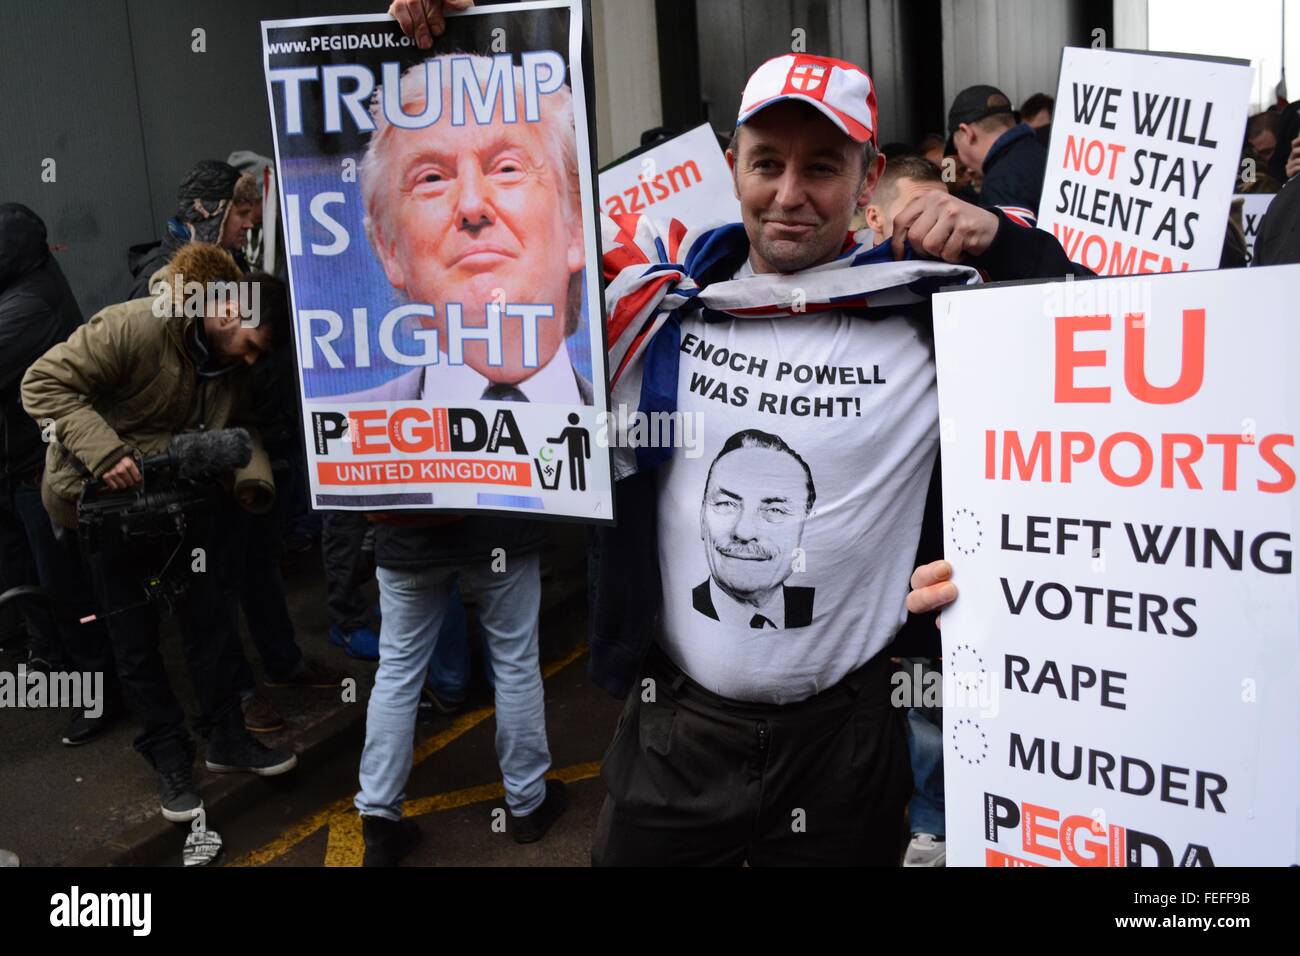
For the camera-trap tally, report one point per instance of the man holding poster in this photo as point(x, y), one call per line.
point(473, 189)
point(746, 601)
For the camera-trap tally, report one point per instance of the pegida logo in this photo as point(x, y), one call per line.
point(1077, 839)
point(379, 431)
point(74, 909)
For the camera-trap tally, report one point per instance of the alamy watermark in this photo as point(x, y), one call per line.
point(972, 690)
point(178, 297)
point(79, 690)
point(629, 428)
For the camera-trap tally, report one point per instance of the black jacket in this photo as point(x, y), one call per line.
point(1278, 240)
point(37, 312)
point(623, 560)
point(1013, 170)
point(469, 540)
point(145, 259)
point(1288, 128)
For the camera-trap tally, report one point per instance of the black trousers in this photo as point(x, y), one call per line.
point(348, 566)
point(205, 613)
point(261, 593)
point(26, 533)
point(695, 779)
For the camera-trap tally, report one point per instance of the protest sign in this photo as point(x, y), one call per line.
point(685, 178)
point(1253, 207)
point(447, 325)
point(1143, 159)
point(1119, 469)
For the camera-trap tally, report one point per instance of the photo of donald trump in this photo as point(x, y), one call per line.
point(486, 215)
point(757, 497)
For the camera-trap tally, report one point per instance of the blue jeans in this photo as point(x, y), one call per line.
point(414, 604)
point(925, 744)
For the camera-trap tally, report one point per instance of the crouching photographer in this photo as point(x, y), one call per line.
point(132, 394)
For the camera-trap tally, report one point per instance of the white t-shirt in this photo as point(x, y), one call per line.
point(765, 598)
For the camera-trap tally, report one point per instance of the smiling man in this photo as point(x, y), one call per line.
point(485, 219)
point(763, 733)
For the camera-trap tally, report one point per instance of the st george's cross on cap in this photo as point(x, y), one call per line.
point(841, 91)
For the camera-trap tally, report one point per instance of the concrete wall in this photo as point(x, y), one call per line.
point(113, 93)
point(1013, 44)
point(1130, 25)
point(627, 95)
point(882, 36)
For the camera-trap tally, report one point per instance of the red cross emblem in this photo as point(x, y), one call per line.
point(806, 77)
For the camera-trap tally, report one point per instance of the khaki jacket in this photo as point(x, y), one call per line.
point(125, 382)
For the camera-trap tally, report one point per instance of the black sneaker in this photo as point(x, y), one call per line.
point(243, 754)
point(180, 802)
point(83, 729)
point(533, 826)
point(387, 841)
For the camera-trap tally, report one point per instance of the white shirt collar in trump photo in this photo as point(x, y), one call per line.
point(553, 383)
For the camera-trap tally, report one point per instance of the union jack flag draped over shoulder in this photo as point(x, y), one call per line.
point(655, 273)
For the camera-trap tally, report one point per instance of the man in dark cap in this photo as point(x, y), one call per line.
point(1005, 154)
point(212, 206)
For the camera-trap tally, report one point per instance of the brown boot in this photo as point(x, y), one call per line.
point(260, 715)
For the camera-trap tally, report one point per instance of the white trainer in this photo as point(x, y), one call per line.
point(925, 850)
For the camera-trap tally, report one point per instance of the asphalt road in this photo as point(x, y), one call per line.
point(454, 791)
point(59, 804)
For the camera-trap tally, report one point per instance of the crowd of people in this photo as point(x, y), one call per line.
point(738, 733)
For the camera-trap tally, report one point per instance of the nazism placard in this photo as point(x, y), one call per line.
point(685, 178)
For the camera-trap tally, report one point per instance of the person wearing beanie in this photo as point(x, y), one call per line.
point(215, 205)
point(250, 190)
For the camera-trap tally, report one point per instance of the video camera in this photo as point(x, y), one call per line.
point(182, 481)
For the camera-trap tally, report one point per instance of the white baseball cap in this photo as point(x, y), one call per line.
point(841, 91)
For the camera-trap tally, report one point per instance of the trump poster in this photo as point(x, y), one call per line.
point(1119, 490)
point(1143, 160)
point(439, 212)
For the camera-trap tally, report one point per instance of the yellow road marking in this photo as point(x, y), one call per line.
point(347, 848)
point(344, 845)
point(456, 799)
